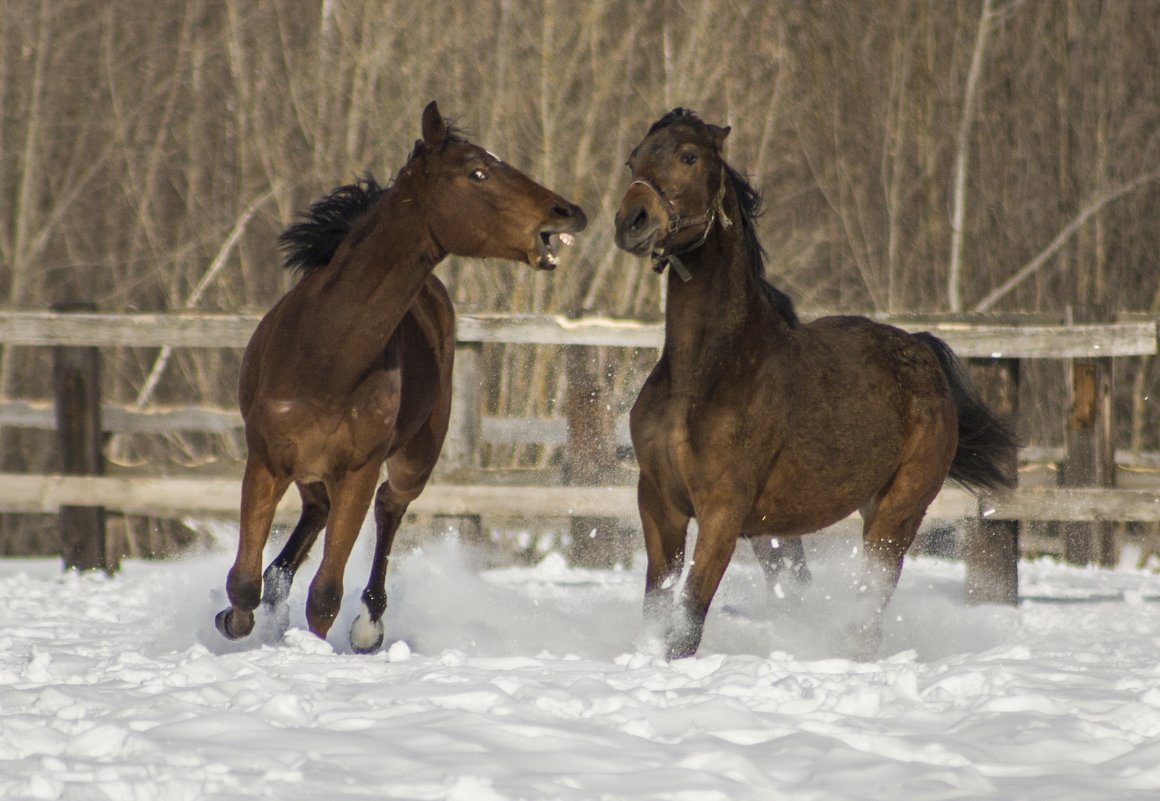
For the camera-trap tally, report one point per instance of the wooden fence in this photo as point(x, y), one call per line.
point(994, 347)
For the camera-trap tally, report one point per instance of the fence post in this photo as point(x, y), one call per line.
point(76, 380)
point(991, 551)
point(590, 457)
point(460, 459)
point(1090, 440)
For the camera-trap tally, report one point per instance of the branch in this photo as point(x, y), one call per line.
point(194, 298)
point(962, 144)
point(1085, 213)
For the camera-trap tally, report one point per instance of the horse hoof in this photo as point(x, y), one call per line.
point(234, 625)
point(366, 635)
point(681, 646)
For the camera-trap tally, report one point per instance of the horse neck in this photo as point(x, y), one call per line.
point(363, 295)
point(722, 305)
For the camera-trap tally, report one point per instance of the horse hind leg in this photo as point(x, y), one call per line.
point(367, 631)
point(261, 491)
point(783, 562)
point(890, 523)
point(279, 575)
point(409, 470)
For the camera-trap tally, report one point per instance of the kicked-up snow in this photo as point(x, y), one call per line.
point(537, 683)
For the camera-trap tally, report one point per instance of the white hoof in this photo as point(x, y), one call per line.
point(366, 635)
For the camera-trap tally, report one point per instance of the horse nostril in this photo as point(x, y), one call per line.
point(638, 220)
point(567, 212)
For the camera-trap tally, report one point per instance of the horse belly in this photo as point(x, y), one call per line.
point(799, 497)
point(792, 514)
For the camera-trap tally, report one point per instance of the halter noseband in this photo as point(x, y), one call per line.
point(661, 255)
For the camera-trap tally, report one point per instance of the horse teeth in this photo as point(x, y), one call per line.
point(567, 239)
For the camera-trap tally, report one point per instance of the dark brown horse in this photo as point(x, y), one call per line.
point(352, 367)
point(758, 425)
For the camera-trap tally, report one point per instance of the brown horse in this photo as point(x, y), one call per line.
point(758, 425)
point(352, 367)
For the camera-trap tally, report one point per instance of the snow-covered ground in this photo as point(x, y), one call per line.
point(530, 683)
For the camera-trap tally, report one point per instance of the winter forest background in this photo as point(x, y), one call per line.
point(915, 156)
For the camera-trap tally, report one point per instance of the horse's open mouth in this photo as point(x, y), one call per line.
point(547, 258)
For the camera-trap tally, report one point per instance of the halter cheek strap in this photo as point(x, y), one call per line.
point(661, 255)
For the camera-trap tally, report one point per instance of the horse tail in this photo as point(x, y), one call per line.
point(985, 457)
point(312, 242)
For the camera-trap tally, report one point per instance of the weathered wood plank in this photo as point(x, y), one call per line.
point(45, 493)
point(76, 380)
point(120, 420)
point(203, 330)
point(1090, 504)
point(155, 420)
point(969, 340)
point(547, 329)
point(179, 329)
point(1045, 341)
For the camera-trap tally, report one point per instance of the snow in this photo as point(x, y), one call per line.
point(537, 683)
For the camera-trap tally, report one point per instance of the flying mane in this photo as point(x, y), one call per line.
point(311, 243)
point(749, 201)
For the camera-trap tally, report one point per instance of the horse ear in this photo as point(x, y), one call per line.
point(718, 133)
point(434, 126)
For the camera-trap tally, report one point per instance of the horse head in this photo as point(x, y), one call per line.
point(480, 206)
point(678, 184)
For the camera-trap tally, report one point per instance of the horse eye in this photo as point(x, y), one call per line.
point(689, 158)
point(477, 175)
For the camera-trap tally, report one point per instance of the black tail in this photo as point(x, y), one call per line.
point(985, 458)
point(312, 242)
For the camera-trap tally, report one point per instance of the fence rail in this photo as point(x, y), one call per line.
point(166, 495)
point(1033, 338)
point(462, 489)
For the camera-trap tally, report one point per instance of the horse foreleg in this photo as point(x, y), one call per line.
point(280, 573)
point(350, 497)
point(664, 543)
point(261, 492)
point(777, 555)
point(716, 540)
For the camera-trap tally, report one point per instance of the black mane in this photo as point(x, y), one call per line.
point(312, 242)
point(749, 201)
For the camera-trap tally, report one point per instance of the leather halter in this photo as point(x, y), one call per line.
point(661, 255)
